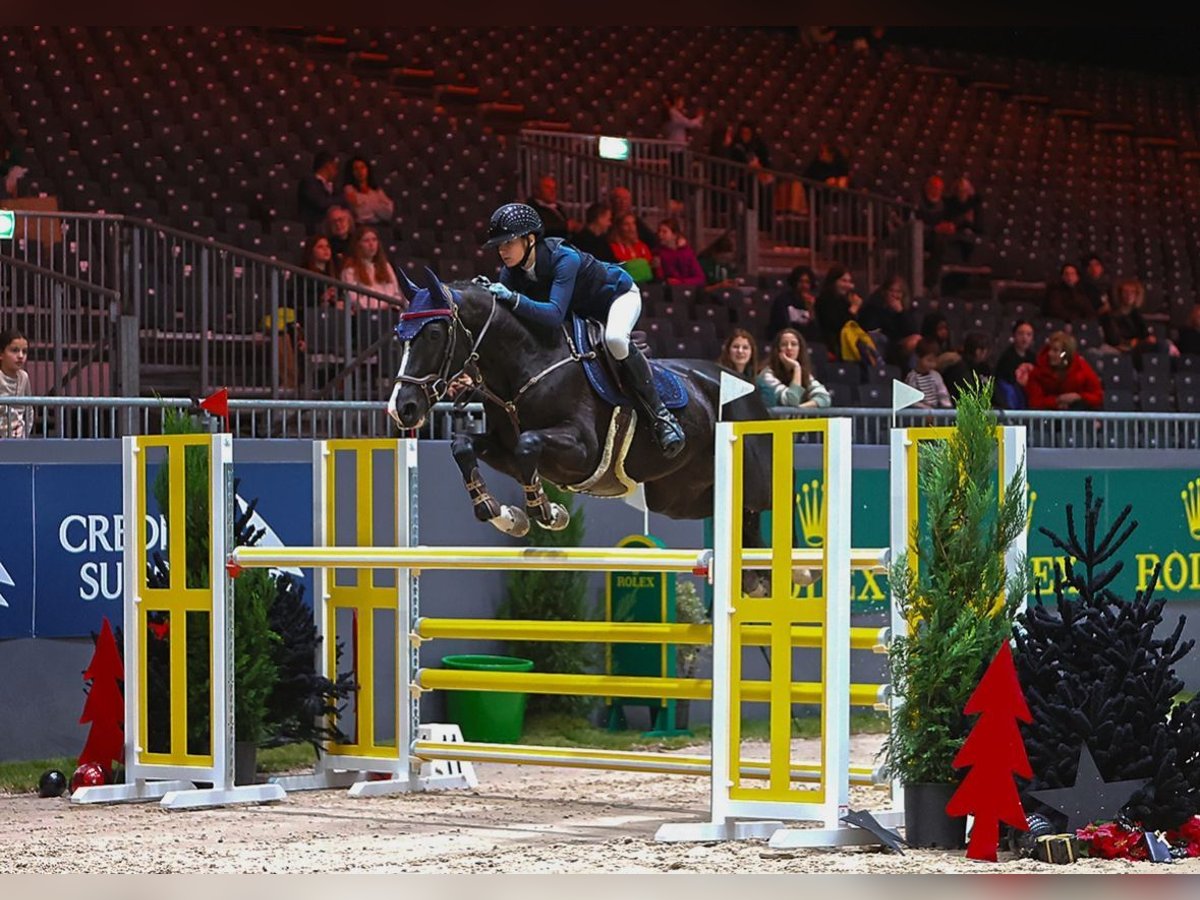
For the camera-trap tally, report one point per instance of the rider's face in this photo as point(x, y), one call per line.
point(512, 251)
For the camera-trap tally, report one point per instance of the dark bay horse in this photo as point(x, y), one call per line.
point(545, 420)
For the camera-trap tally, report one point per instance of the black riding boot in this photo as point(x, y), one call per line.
point(638, 378)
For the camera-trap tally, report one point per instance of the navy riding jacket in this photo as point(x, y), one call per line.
point(566, 280)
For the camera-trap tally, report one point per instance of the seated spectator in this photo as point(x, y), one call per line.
point(749, 149)
point(719, 262)
point(887, 312)
point(1097, 285)
point(368, 266)
point(555, 222)
point(1014, 366)
point(367, 201)
point(631, 251)
point(1189, 335)
point(339, 228)
point(318, 258)
point(787, 379)
point(677, 262)
point(314, 193)
point(977, 347)
point(934, 327)
point(1062, 379)
point(1125, 331)
point(837, 308)
point(12, 169)
point(931, 210)
point(926, 378)
point(593, 236)
point(830, 167)
point(621, 202)
point(964, 208)
point(1066, 299)
point(15, 421)
point(739, 354)
point(793, 308)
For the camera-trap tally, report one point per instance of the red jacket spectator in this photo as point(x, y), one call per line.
point(1062, 379)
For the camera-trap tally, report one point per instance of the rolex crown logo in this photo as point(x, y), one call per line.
point(810, 505)
point(1191, 506)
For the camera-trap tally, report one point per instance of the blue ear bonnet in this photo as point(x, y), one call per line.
point(425, 305)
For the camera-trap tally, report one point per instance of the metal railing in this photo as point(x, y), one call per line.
point(111, 417)
point(107, 417)
point(780, 218)
point(1052, 430)
point(116, 305)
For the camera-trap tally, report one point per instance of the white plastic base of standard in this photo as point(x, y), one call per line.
point(134, 792)
point(245, 793)
point(318, 781)
point(412, 786)
point(848, 836)
point(700, 832)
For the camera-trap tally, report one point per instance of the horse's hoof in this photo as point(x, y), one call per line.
point(559, 518)
point(512, 521)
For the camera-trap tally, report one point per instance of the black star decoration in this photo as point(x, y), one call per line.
point(1091, 798)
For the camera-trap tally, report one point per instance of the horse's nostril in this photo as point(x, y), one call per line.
point(407, 411)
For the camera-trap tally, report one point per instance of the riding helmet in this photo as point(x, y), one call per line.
point(512, 220)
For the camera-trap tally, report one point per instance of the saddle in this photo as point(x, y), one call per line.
point(588, 337)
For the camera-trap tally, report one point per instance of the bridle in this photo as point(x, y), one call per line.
point(435, 385)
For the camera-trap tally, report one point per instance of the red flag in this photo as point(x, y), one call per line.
point(995, 752)
point(217, 404)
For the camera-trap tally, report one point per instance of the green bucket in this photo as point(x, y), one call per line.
point(496, 717)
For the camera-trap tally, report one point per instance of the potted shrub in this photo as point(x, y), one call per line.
point(689, 610)
point(959, 606)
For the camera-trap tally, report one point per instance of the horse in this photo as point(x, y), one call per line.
point(545, 421)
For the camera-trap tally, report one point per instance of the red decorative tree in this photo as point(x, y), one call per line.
point(105, 704)
point(995, 752)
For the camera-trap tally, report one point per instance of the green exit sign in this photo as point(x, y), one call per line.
point(8, 223)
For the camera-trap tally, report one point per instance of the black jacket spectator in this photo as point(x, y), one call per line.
point(314, 193)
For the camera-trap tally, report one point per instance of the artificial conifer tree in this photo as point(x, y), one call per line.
point(105, 704)
point(1094, 671)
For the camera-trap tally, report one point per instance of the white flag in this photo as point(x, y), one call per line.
point(733, 387)
point(904, 396)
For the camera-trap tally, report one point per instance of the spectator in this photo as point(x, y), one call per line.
point(787, 379)
point(630, 250)
point(926, 378)
point(977, 347)
point(621, 202)
point(1062, 379)
point(1096, 285)
point(11, 157)
point(1067, 300)
point(676, 129)
point(593, 236)
point(931, 210)
point(339, 228)
point(1189, 335)
point(318, 258)
point(739, 354)
point(677, 261)
point(545, 200)
point(368, 266)
point(887, 312)
point(830, 167)
point(1014, 366)
point(749, 149)
point(793, 308)
point(367, 201)
point(15, 421)
point(314, 193)
point(719, 262)
point(964, 208)
point(1125, 331)
point(835, 306)
point(936, 328)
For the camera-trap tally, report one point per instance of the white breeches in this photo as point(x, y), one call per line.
point(623, 315)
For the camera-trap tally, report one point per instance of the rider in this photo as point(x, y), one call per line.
point(543, 279)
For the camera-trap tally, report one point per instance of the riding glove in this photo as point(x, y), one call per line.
point(504, 293)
